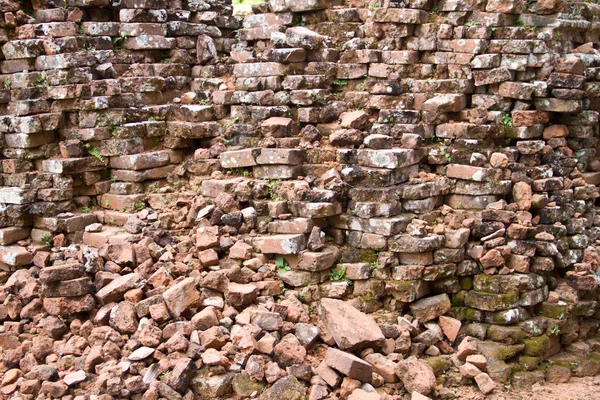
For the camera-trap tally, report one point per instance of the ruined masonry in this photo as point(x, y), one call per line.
point(343, 199)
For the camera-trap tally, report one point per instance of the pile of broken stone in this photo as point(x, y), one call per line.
point(139, 319)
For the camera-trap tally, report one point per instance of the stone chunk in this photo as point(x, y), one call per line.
point(360, 394)
point(487, 77)
point(485, 383)
point(16, 49)
point(351, 329)
point(383, 366)
point(349, 365)
point(60, 273)
point(117, 288)
point(410, 244)
point(287, 388)
point(416, 375)
point(239, 158)
point(182, 296)
point(15, 256)
point(239, 295)
point(63, 306)
point(431, 307)
point(280, 244)
point(300, 36)
point(74, 378)
point(12, 235)
point(400, 15)
point(522, 194)
point(450, 327)
point(14, 195)
point(141, 353)
point(280, 156)
point(137, 162)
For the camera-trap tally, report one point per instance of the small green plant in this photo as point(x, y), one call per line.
point(574, 365)
point(337, 274)
point(374, 5)
point(46, 239)
point(85, 209)
point(8, 83)
point(118, 41)
point(283, 290)
point(388, 119)
point(446, 155)
point(80, 30)
point(520, 22)
point(528, 5)
point(555, 330)
point(113, 180)
point(40, 82)
point(472, 23)
point(373, 265)
point(140, 205)
point(164, 376)
point(231, 122)
point(107, 202)
point(113, 127)
point(507, 120)
point(238, 171)
point(282, 265)
point(92, 151)
point(362, 86)
point(297, 20)
point(340, 82)
point(271, 188)
point(301, 295)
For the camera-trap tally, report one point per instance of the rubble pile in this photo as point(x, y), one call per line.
point(322, 199)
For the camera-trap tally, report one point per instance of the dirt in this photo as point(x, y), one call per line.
point(576, 389)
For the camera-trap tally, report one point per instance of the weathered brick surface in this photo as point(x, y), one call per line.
point(437, 158)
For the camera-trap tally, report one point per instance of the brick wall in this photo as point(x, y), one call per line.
point(378, 151)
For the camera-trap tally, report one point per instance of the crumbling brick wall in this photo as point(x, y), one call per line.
point(379, 151)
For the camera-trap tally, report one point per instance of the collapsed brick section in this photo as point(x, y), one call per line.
point(185, 191)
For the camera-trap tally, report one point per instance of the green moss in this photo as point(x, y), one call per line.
point(529, 363)
point(471, 314)
point(458, 299)
point(560, 310)
point(484, 282)
point(3, 277)
point(466, 282)
point(536, 346)
point(492, 301)
point(368, 256)
point(244, 386)
point(438, 364)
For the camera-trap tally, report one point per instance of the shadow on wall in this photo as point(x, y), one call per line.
point(242, 7)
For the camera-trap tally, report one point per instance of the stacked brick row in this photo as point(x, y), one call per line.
point(463, 136)
point(91, 107)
